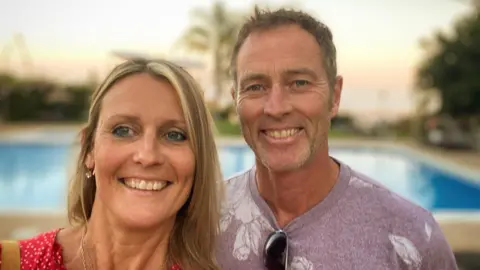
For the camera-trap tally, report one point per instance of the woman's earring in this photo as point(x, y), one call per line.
point(89, 174)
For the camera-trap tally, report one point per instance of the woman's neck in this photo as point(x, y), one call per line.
point(109, 245)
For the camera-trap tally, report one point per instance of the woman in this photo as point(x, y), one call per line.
point(146, 190)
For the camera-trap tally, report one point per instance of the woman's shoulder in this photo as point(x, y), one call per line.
point(40, 251)
point(44, 252)
point(41, 244)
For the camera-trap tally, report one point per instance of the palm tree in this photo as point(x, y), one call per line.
point(213, 31)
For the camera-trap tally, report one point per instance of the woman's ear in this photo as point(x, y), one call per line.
point(89, 160)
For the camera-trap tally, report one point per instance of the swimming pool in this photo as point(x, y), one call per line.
point(404, 172)
point(34, 176)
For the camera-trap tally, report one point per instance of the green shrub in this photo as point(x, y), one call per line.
point(27, 100)
point(227, 128)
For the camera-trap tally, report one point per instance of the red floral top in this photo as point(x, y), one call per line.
point(42, 252)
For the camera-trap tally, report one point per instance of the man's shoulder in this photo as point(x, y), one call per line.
point(239, 179)
point(412, 229)
point(383, 201)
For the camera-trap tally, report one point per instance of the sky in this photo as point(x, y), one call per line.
point(377, 40)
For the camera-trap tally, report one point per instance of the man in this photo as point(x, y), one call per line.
point(299, 208)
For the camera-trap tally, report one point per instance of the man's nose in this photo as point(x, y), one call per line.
point(278, 102)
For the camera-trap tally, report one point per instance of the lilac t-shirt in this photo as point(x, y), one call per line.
point(359, 225)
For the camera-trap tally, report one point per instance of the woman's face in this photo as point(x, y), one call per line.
point(142, 160)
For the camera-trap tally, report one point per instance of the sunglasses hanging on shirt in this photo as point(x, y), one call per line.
point(275, 251)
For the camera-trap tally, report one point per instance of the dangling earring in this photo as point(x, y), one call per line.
point(89, 174)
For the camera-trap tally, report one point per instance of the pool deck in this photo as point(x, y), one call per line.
point(462, 230)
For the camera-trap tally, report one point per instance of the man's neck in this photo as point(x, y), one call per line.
point(114, 247)
point(291, 194)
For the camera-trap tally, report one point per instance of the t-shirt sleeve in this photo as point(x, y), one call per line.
point(438, 253)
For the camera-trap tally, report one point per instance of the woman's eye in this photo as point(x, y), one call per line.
point(176, 136)
point(122, 131)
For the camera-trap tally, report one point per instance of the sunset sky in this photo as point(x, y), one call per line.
point(377, 40)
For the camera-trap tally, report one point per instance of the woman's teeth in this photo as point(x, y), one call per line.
point(144, 184)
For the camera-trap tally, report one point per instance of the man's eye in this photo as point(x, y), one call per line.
point(176, 136)
point(254, 87)
point(122, 131)
point(300, 83)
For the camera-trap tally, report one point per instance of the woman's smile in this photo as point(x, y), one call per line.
point(143, 184)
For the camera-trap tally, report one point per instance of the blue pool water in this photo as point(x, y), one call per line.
point(35, 176)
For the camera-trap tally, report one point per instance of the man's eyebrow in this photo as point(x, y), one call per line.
point(255, 76)
point(301, 71)
point(251, 76)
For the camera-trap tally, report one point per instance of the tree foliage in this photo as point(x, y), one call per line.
point(452, 67)
point(213, 31)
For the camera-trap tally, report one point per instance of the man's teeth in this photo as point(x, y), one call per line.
point(282, 133)
point(144, 185)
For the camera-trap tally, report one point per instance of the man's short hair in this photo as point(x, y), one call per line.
point(265, 20)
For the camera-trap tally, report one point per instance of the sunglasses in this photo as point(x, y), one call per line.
point(275, 251)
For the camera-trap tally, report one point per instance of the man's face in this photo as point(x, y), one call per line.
point(283, 97)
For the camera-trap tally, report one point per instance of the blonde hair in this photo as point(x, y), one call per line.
point(192, 243)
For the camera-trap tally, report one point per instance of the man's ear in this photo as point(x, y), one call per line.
point(336, 96)
point(233, 93)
